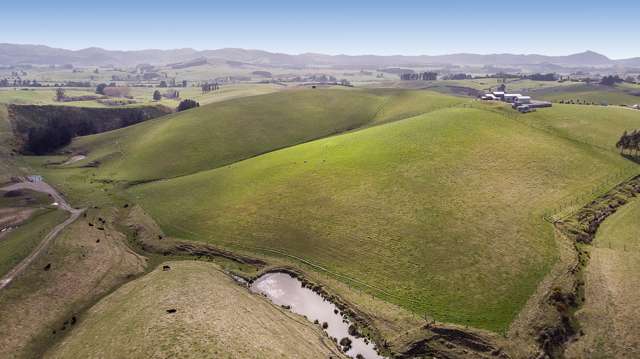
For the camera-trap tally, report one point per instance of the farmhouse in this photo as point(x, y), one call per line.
point(518, 101)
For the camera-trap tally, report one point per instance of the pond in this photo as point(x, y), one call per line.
point(284, 290)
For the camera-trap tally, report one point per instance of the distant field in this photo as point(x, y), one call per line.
point(44, 96)
point(611, 314)
point(214, 318)
point(142, 95)
point(482, 84)
point(429, 208)
point(597, 94)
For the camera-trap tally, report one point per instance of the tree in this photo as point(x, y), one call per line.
point(424, 76)
point(621, 142)
point(60, 96)
point(187, 104)
point(629, 142)
point(157, 96)
point(207, 87)
point(610, 80)
point(100, 89)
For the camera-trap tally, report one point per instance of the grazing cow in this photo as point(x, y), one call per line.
point(171, 311)
point(47, 267)
point(166, 268)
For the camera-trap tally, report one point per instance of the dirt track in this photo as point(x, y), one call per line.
point(62, 204)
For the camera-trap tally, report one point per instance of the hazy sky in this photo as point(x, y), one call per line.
point(326, 26)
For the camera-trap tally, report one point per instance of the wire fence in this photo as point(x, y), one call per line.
point(572, 203)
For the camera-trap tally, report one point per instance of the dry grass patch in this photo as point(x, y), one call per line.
point(83, 263)
point(191, 310)
point(610, 317)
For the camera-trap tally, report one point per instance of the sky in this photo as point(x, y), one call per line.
point(331, 27)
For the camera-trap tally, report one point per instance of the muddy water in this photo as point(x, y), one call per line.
point(286, 290)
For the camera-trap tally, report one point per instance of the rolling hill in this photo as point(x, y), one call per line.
point(223, 133)
point(443, 212)
point(214, 316)
point(431, 202)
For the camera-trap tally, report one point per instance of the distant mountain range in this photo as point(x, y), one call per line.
point(15, 54)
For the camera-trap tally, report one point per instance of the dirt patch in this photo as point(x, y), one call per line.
point(74, 159)
point(11, 217)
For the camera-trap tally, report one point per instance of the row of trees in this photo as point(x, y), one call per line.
point(170, 94)
point(629, 142)
point(542, 77)
point(19, 82)
point(424, 76)
point(210, 87)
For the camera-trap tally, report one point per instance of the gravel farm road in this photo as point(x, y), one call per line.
point(40, 186)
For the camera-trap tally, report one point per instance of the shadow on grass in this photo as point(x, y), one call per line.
point(634, 158)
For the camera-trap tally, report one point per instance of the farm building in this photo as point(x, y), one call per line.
point(531, 104)
point(540, 104)
point(498, 94)
point(518, 101)
point(489, 97)
point(511, 97)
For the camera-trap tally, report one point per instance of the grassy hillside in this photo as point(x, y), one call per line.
point(598, 126)
point(223, 133)
point(214, 318)
point(442, 211)
point(611, 312)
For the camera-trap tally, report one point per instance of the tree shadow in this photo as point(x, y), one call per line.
point(633, 158)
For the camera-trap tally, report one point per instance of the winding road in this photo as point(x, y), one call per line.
point(40, 186)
